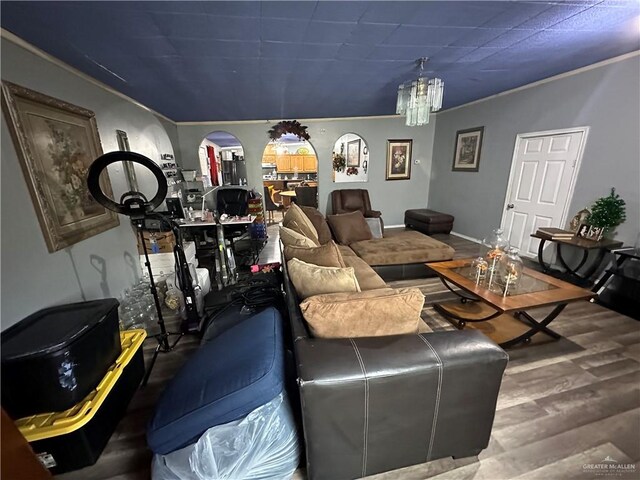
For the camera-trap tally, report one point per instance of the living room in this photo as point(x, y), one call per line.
point(567, 404)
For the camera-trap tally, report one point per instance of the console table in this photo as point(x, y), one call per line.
point(582, 243)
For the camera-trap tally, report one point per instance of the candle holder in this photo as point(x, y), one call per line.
point(510, 268)
point(479, 268)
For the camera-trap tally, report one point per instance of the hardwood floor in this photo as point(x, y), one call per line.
point(563, 404)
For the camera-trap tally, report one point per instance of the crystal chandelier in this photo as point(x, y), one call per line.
point(418, 98)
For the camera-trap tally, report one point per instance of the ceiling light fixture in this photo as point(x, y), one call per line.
point(418, 98)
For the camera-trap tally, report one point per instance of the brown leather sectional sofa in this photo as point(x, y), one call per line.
point(375, 404)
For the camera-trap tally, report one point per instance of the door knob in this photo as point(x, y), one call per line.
point(510, 206)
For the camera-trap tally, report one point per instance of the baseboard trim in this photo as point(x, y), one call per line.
point(466, 237)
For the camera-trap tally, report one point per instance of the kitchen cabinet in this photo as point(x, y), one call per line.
point(269, 159)
point(283, 163)
point(309, 163)
point(290, 163)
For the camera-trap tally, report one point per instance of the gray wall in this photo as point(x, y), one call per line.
point(391, 197)
point(33, 278)
point(606, 98)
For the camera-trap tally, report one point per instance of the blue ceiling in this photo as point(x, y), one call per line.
point(201, 61)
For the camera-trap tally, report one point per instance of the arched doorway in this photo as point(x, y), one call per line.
point(221, 158)
point(288, 164)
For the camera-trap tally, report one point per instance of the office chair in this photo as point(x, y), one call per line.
point(233, 202)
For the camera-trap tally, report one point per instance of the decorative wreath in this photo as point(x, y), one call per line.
point(352, 171)
point(339, 162)
point(289, 126)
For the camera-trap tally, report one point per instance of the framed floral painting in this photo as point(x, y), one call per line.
point(56, 142)
point(399, 159)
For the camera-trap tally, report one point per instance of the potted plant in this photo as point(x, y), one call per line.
point(608, 212)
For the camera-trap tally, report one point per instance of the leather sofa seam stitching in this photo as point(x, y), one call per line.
point(366, 406)
point(438, 391)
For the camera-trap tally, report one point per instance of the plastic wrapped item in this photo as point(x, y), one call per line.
point(261, 446)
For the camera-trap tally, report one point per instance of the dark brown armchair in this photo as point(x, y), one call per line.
point(352, 199)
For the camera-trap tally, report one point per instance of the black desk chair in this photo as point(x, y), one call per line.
point(233, 202)
point(307, 196)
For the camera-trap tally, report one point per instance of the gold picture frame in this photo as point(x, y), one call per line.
point(399, 159)
point(56, 142)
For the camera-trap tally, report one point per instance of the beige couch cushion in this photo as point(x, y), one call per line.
point(319, 223)
point(367, 277)
point(309, 280)
point(326, 255)
point(373, 313)
point(402, 247)
point(349, 227)
point(291, 237)
point(297, 220)
point(346, 251)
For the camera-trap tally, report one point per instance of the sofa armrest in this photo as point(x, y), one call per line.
point(376, 404)
point(372, 213)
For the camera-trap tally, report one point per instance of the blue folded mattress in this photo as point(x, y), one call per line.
point(226, 379)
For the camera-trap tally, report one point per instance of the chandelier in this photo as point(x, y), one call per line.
point(418, 98)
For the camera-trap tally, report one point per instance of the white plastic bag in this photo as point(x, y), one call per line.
point(261, 446)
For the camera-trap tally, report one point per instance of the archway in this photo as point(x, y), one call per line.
point(289, 164)
point(221, 158)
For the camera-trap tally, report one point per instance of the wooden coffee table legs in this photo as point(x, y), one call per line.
point(506, 329)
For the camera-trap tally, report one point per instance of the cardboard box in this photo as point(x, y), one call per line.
point(165, 242)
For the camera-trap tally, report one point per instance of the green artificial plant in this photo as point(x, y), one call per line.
point(608, 212)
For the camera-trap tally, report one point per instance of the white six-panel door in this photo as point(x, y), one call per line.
point(541, 183)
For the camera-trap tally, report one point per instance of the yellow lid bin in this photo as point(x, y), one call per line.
point(75, 438)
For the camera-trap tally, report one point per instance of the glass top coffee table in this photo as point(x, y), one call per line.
point(501, 317)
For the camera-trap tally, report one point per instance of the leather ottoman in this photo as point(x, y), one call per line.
point(428, 221)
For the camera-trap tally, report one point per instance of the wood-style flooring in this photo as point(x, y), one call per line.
point(562, 405)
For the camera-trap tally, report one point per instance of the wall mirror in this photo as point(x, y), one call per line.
point(287, 163)
point(350, 159)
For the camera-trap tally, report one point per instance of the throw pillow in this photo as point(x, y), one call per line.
point(319, 222)
point(373, 313)
point(309, 279)
point(291, 237)
point(326, 255)
point(349, 227)
point(295, 219)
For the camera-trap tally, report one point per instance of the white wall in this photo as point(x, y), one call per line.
point(102, 266)
point(605, 98)
point(391, 197)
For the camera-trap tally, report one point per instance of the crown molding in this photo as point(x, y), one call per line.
point(271, 121)
point(560, 76)
point(10, 37)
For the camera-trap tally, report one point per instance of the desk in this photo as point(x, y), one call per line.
point(222, 257)
point(585, 245)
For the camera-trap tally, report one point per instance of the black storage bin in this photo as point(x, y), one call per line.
point(75, 438)
point(52, 359)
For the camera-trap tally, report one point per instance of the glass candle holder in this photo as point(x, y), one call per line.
point(510, 268)
point(479, 268)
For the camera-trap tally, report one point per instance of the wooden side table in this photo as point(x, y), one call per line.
point(582, 243)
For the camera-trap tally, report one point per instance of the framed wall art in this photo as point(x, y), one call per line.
point(56, 142)
point(399, 159)
point(353, 153)
point(467, 150)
